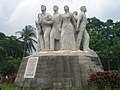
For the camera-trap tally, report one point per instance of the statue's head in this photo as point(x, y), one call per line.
point(66, 8)
point(83, 9)
point(55, 8)
point(75, 13)
point(43, 8)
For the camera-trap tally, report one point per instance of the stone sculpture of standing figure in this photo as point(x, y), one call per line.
point(45, 21)
point(68, 25)
point(55, 33)
point(75, 14)
point(81, 30)
point(40, 36)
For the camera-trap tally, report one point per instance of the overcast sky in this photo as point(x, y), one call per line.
point(16, 14)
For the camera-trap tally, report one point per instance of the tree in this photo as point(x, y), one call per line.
point(28, 36)
point(11, 51)
point(2, 50)
point(105, 40)
point(9, 65)
point(15, 48)
point(11, 46)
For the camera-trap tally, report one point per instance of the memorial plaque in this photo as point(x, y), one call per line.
point(31, 67)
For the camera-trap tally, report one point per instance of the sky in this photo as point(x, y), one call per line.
point(16, 14)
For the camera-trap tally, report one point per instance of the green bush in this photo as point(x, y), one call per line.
point(9, 65)
point(105, 79)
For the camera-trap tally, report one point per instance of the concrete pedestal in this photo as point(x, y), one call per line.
point(59, 70)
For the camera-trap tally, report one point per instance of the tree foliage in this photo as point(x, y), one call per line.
point(11, 52)
point(12, 49)
point(105, 40)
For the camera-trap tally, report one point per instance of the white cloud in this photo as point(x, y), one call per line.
point(104, 9)
point(24, 12)
point(28, 9)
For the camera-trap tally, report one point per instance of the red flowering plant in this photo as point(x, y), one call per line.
point(106, 78)
point(8, 78)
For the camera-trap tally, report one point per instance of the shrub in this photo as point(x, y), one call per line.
point(104, 79)
point(9, 65)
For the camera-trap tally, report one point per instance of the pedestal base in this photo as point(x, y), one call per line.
point(59, 70)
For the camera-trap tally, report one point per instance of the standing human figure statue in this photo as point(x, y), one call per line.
point(55, 33)
point(45, 21)
point(75, 14)
point(68, 25)
point(40, 36)
point(81, 30)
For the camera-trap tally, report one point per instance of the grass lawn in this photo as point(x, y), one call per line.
point(9, 86)
point(6, 86)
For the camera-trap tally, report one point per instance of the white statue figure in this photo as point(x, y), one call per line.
point(75, 14)
point(68, 25)
point(40, 36)
point(55, 33)
point(45, 21)
point(81, 30)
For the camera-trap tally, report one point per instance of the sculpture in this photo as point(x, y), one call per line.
point(67, 29)
point(59, 70)
point(63, 32)
point(55, 33)
point(45, 21)
point(81, 30)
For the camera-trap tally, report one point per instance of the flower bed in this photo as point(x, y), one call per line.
point(104, 79)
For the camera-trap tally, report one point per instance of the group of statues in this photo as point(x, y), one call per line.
point(62, 31)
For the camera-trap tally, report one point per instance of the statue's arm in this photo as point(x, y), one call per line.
point(61, 23)
point(79, 21)
point(48, 20)
point(39, 18)
point(60, 16)
point(38, 26)
point(73, 21)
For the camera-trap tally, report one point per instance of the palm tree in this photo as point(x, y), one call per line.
point(28, 35)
